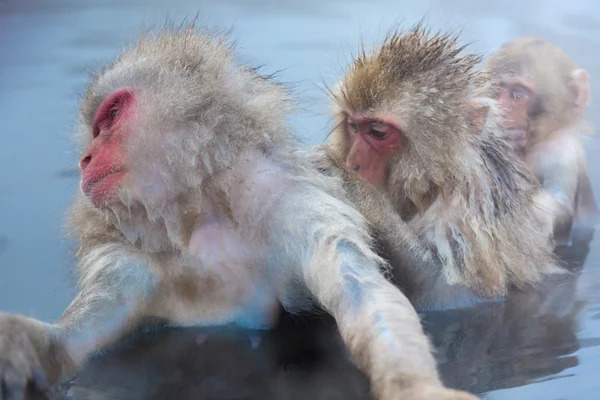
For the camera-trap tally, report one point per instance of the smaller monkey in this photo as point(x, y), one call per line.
point(196, 208)
point(544, 95)
point(414, 125)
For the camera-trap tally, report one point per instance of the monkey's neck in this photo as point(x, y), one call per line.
point(410, 202)
point(167, 229)
point(546, 130)
point(148, 236)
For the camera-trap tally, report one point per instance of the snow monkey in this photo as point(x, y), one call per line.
point(543, 95)
point(196, 208)
point(415, 130)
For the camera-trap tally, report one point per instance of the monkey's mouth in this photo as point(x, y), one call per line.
point(88, 185)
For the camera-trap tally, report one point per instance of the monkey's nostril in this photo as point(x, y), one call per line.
point(85, 161)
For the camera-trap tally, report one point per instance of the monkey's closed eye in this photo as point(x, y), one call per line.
point(379, 131)
point(378, 134)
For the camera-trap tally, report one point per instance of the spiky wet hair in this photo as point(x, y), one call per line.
point(414, 58)
point(194, 91)
point(422, 80)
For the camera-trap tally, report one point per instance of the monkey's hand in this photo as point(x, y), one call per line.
point(28, 354)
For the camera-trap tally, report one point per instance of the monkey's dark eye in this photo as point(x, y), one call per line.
point(519, 92)
point(353, 127)
point(378, 134)
point(112, 114)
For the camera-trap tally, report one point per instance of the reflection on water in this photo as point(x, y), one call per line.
point(302, 359)
point(536, 345)
point(531, 337)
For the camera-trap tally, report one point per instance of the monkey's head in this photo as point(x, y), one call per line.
point(405, 112)
point(538, 87)
point(168, 114)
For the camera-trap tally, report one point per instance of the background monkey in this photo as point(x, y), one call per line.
point(411, 122)
point(196, 208)
point(543, 95)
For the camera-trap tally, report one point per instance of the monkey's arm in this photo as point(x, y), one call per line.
point(412, 261)
point(377, 322)
point(558, 171)
point(375, 319)
point(587, 208)
point(115, 287)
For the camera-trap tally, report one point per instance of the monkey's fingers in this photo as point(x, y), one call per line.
point(15, 384)
point(20, 368)
point(38, 380)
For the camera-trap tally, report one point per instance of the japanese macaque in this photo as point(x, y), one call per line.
point(414, 125)
point(196, 208)
point(544, 95)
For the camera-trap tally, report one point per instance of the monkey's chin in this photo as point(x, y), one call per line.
point(103, 193)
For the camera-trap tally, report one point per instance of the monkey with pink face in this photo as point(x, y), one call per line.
point(197, 208)
point(543, 96)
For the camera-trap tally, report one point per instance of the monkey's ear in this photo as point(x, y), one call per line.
point(478, 114)
point(580, 89)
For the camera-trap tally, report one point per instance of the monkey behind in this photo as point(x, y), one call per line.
point(543, 95)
